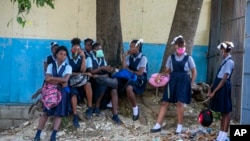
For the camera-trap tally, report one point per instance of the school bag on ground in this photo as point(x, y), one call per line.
point(51, 93)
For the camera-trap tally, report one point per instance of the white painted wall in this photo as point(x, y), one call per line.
point(147, 19)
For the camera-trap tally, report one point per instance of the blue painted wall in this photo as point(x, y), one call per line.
point(21, 65)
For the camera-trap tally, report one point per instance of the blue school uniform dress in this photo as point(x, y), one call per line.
point(135, 62)
point(178, 88)
point(98, 89)
point(76, 67)
point(64, 107)
point(221, 102)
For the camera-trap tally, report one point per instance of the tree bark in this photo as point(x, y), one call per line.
point(108, 30)
point(185, 23)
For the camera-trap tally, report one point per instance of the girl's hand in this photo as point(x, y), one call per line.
point(211, 94)
point(48, 78)
point(158, 78)
point(81, 53)
point(88, 74)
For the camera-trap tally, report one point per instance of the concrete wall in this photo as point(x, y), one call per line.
point(22, 50)
point(12, 115)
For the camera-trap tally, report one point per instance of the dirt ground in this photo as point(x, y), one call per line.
point(102, 128)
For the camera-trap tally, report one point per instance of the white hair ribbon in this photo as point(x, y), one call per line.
point(138, 42)
point(230, 44)
point(225, 45)
point(93, 42)
point(175, 38)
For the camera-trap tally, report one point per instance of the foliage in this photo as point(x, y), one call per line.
point(24, 7)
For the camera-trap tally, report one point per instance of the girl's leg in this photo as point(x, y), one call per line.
point(226, 117)
point(162, 112)
point(74, 108)
point(180, 115)
point(114, 100)
point(89, 97)
point(42, 121)
point(161, 115)
point(131, 95)
point(225, 121)
point(132, 99)
point(89, 93)
point(57, 123)
point(74, 104)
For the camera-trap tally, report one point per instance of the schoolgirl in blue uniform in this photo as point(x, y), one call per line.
point(100, 69)
point(51, 58)
point(57, 73)
point(135, 62)
point(178, 89)
point(220, 93)
point(88, 47)
point(79, 64)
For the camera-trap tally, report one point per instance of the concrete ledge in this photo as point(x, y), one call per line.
point(12, 115)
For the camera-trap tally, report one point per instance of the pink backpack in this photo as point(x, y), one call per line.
point(51, 95)
point(163, 80)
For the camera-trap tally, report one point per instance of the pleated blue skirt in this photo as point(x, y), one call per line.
point(178, 88)
point(221, 102)
point(63, 108)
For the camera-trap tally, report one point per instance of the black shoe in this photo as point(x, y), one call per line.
point(117, 120)
point(97, 111)
point(89, 113)
point(75, 122)
point(36, 139)
point(155, 130)
point(136, 117)
point(177, 133)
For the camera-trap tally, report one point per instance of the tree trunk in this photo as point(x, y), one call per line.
point(185, 23)
point(108, 30)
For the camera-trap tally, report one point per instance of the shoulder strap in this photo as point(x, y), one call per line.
point(62, 69)
point(54, 69)
point(137, 61)
point(222, 65)
point(185, 59)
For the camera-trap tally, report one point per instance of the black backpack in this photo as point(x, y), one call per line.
point(205, 117)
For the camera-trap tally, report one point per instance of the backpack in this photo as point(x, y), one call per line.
point(51, 93)
point(205, 117)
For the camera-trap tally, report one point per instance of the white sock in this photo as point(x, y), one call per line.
point(179, 128)
point(135, 110)
point(109, 104)
point(224, 134)
point(157, 126)
point(219, 136)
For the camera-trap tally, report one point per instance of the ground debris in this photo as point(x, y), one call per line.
point(102, 128)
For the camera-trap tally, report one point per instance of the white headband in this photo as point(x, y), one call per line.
point(226, 45)
point(175, 38)
point(138, 42)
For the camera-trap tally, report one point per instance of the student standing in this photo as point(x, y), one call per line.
point(178, 89)
point(220, 93)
